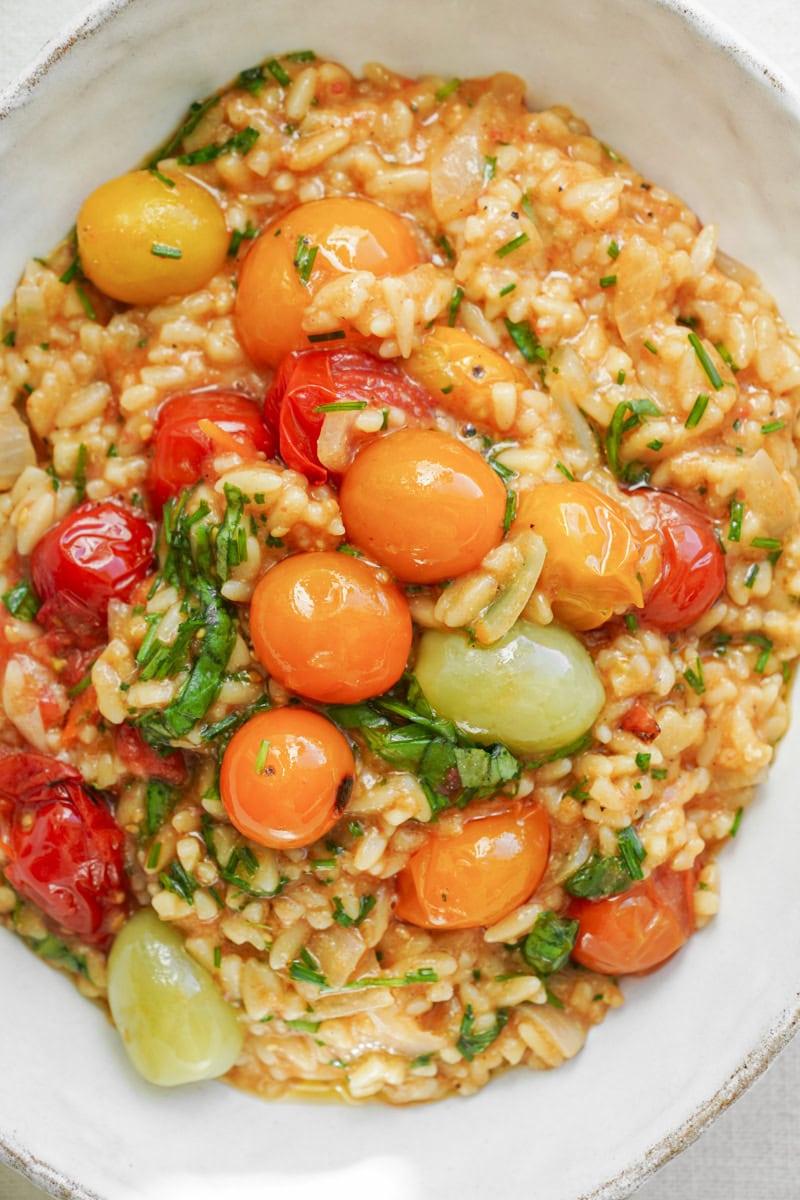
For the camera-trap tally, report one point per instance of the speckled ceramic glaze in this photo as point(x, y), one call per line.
point(697, 114)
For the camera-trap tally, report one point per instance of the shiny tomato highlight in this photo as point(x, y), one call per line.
point(286, 777)
point(64, 847)
point(598, 558)
point(692, 564)
point(98, 552)
point(423, 504)
point(636, 930)
point(182, 449)
point(330, 627)
point(310, 379)
point(478, 875)
point(299, 252)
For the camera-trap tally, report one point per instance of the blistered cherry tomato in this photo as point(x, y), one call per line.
point(692, 564)
point(98, 552)
point(599, 561)
point(142, 239)
point(330, 627)
point(182, 448)
point(65, 849)
point(423, 504)
point(310, 379)
point(286, 777)
point(140, 759)
point(478, 875)
point(638, 929)
point(299, 252)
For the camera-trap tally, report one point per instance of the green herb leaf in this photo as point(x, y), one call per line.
point(365, 907)
point(526, 341)
point(549, 944)
point(22, 601)
point(159, 798)
point(599, 877)
point(631, 851)
point(178, 880)
point(56, 951)
point(469, 1043)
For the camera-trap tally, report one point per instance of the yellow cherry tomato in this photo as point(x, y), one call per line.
point(599, 560)
point(460, 372)
point(300, 251)
point(330, 627)
point(478, 875)
point(142, 239)
point(286, 777)
point(423, 504)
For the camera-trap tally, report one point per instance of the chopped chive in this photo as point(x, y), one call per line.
point(507, 289)
point(630, 621)
point(737, 516)
point(737, 820)
point(751, 575)
point(773, 426)
point(153, 856)
point(341, 406)
point(448, 89)
point(649, 346)
point(526, 341)
point(511, 510)
point(278, 74)
point(218, 956)
point(613, 249)
point(165, 179)
point(620, 377)
point(513, 245)
point(489, 167)
point(301, 56)
point(86, 303)
point(766, 646)
point(726, 356)
point(643, 761)
point(527, 207)
point(162, 251)
point(79, 478)
point(240, 235)
point(612, 154)
point(607, 281)
point(10, 338)
point(241, 143)
point(656, 444)
point(565, 471)
point(261, 757)
point(335, 336)
point(303, 261)
point(703, 358)
point(449, 252)
point(696, 415)
point(766, 543)
point(786, 671)
point(455, 304)
point(694, 677)
point(197, 111)
point(659, 773)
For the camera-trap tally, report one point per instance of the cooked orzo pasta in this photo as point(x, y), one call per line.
point(401, 577)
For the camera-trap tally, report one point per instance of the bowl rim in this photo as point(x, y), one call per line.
point(759, 1056)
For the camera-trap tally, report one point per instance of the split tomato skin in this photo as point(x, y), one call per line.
point(423, 505)
point(330, 627)
point(636, 930)
point(66, 852)
point(309, 379)
point(286, 777)
point(100, 551)
point(478, 875)
point(182, 448)
point(299, 252)
point(692, 574)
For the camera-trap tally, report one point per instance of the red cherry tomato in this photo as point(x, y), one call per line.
point(182, 448)
point(330, 627)
point(478, 875)
point(309, 379)
point(299, 252)
point(286, 777)
point(635, 930)
point(98, 552)
point(423, 504)
point(692, 564)
point(64, 847)
point(142, 760)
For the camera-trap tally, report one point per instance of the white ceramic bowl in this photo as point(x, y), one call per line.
point(698, 115)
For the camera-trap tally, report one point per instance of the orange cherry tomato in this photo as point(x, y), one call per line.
point(423, 504)
point(478, 875)
point(300, 251)
point(635, 930)
point(599, 561)
point(330, 627)
point(286, 777)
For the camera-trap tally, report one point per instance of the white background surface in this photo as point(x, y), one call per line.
point(753, 1151)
